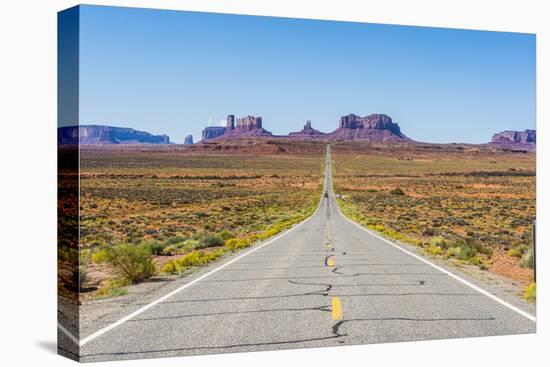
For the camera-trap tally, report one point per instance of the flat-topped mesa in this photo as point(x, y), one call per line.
point(248, 126)
point(307, 132)
point(375, 127)
point(527, 137)
point(102, 134)
point(374, 121)
point(249, 123)
point(212, 132)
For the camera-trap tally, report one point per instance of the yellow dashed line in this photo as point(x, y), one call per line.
point(336, 308)
point(330, 262)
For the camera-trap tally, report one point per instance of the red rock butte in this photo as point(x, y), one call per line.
point(375, 127)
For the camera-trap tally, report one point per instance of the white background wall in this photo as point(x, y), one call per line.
point(28, 179)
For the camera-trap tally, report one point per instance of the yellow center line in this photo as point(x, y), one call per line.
point(336, 308)
point(330, 262)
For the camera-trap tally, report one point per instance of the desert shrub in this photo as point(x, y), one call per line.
point(467, 252)
point(226, 235)
point(195, 258)
point(155, 247)
point(170, 267)
point(434, 250)
point(237, 243)
point(438, 241)
point(188, 244)
point(477, 261)
point(377, 227)
point(133, 262)
point(112, 288)
point(85, 256)
point(531, 292)
point(517, 251)
point(210, 241)
point(169, 250)
point(483, 250)
point(428, 231)
point(527, 259)
point(397, 191)
point(453, 251)
point(100, 256)
point(467, 249)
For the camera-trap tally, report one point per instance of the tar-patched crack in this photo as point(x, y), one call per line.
point(324, 308)
point(336, 327)
point(324, 292)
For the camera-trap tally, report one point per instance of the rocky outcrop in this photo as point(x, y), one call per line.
point(515, 138)
point(307, 133)
point(230, 122)
point(212, 132)
point(100, 134)
point(249, 123)
point(375, 127)
point(188, 140)
point(248, 126)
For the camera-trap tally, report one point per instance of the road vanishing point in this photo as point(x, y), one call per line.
point(325, 282)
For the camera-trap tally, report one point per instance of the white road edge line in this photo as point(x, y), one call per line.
point(100, 332)
point(73, 338)
point(454, 276)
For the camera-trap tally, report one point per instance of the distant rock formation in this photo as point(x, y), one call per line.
point(230, 122)
point(101, 134)
point(307, 133)
point(248, 126)
point(375, 127)
point(212, 132)
point(515, 138)
point(188, 140)
point(249, 123)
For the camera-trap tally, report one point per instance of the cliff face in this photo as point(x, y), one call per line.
point(307, 132)
point(212, 132)
point(375, 127)
point(248, 126)
point(100, 134)
point(526, 137)
point(249, 123)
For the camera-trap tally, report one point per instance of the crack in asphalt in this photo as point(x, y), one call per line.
point(305, 340)
point(325, 308)
point(317, 277)
point(329, 286)
point(337, 325)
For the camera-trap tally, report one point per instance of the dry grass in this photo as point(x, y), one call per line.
point(472, 197)
point(177, 200)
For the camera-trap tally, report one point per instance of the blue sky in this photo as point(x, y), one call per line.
point(176, 72)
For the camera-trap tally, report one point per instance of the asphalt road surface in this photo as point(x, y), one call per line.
point(327, 282)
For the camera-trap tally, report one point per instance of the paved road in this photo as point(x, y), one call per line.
point(325, 283)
